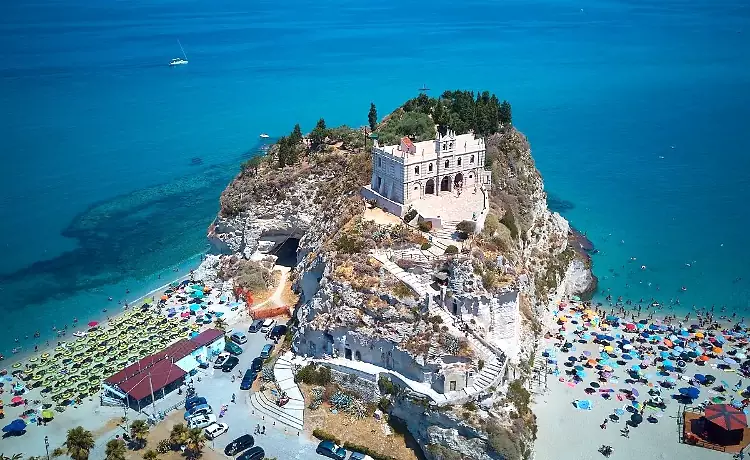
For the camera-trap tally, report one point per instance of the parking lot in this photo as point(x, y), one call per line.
point(217, 387)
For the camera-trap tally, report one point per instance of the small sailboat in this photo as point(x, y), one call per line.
point(179, 61)
point(264, 135)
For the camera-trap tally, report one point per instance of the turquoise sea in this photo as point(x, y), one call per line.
point(636, 111)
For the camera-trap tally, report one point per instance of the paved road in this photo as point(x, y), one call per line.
point(217, 387)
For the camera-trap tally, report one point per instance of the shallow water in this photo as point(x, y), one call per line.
point(97, 133)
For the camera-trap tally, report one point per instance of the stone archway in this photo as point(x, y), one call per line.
point(429, 188)
point(445, 184)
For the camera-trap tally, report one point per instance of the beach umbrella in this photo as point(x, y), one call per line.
point(690, 392)
point(668, 364)
point(700, 378)
point(16, 400)
point(16, 426)
point(636, 418)
point(730, 361)
point(93, 323)
point(48, 414)
point(584, 404)
point(634, 392)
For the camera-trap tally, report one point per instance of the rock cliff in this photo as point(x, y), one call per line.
point(520, 258)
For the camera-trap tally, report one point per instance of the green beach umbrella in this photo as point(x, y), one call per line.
point(48, 414)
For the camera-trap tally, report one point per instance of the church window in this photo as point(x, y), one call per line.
point(429, 168)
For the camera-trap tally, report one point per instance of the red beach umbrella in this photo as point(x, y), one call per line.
point(93, 323)
point(16, 400)
point(726, 416)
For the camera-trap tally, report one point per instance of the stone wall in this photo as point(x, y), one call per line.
point(365, 386)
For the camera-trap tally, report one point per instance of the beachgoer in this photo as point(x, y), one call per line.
point(264, 430)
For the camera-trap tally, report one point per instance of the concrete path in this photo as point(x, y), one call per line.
point(292, 413)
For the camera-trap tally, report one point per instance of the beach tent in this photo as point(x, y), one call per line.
point(725, 423)
point(690, 392)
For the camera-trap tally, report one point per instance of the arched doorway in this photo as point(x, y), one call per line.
point(429, 188)
point(445, 184)
point(458, 181)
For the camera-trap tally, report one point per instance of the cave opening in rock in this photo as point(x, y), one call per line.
point(287, 252)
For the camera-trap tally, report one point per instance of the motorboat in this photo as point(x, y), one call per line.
point(80, 334)
point(264, 136)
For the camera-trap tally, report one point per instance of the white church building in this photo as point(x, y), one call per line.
point(405, 173)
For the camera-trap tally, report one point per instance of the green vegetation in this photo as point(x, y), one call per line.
point(79, 443)
point(178, 435)
point(425, 225)
point(349, 244)
point(501, 442)
point(139, 432)
point(58, 452)
point(462, 111)
point(386, 386)
point(195, 442)
point(470, 405)
point(441, 452)
point(451, 249)
point(415, 125)
point(296, 136)
point(372, 117)
point(425, 246)
point(401, 290)
point(519, 396)
point(318, 135)
point(115, 450)
point(150, 455)
point(466, 228)
point(247, 274)
point(313, 374)
point(251, 166)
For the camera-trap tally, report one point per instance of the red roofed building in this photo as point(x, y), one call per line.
point(165, 371)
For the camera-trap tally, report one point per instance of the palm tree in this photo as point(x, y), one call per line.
point(115, 450)
point(178, 435)
point(139, 433)
point(195, 442)
point(79, 443)
point(14, 457)
point(220, 324)
point(150, 455)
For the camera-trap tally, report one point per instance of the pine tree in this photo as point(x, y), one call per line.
point(319, 134)
point(282, 155)
point(372, 117)
point(505, 114)
point(296, 136)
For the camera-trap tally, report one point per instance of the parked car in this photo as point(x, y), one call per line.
point(255, 327)
point(215, 430)
point(220, 360)
point(200, 409)
point(194, 401)
point(230, 364)
point(266, 351)
point(256, 453)
point(238, 445)
point(201, 421)
point(358, 456)
point(331, 450)
point(256, 365)
point(233, 348)
point(238, 337)
point(278, 331)
point(267, 325)
point(248, 379)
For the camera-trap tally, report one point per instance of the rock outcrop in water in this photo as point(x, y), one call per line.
point(355, 305)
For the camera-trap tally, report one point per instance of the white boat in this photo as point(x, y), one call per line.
point(80, 334)
point(179, 61)
point(264, 136)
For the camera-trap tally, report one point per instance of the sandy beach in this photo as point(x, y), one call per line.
point(574, 400)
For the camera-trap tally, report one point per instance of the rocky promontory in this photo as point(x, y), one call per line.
point(370, 291)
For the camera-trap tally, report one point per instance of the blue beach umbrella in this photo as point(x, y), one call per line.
point(584, 404)
point(690, 392)
point(15, 426)
point(195, 307)
point(619, 412)
point(730, 361)
point(700, 378)
point(664, 354)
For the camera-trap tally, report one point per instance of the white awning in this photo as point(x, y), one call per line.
point(187, 364)
point(115, 391)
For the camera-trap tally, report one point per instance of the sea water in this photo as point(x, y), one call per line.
point(636, 112)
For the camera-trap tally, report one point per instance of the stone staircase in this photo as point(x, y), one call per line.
point(448, 230)
point(292, 413)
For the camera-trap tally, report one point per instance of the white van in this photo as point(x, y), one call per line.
point(267, 325)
